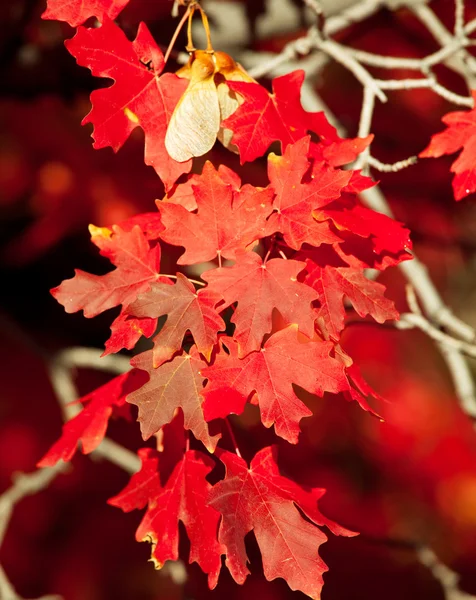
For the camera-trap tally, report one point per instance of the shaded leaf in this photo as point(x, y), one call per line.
point(185, 498)
point(271, 372)
point(186, 310)
point(175, 384)
point(261, 500)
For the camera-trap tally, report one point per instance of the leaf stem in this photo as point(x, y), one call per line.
point(233, 438)
point(188, 13)
point(194, 281)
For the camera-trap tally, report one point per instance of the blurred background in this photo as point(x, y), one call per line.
point(405, 482)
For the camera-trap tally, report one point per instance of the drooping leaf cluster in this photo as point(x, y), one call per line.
point(276, 270)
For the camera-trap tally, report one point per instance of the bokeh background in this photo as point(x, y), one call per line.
point(408, 481)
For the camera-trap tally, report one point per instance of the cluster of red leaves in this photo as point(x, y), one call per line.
point(298, 247)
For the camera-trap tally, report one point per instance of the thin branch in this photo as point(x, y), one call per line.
point(89, 358)
point(410, 321)
point(23, 485)
point(391, 167)
point(336, 51)
point(461, 62)
point(459, 18)
point(354, 14)
point(365, 122)
point(447, 578)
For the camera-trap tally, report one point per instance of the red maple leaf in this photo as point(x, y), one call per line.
point(150, 224)
point(142, 486)
point(295, 199)
point(90, 425)
point(183, 193)
point(261, 500)
point(137, 266)
point(138, 95)
point(264, 118)
point(271, 372)
point(386, 235)
point(184, 498)
point(227, 219)
point(175, 384)
point(75, 12)
point(186, 310)
point(333, 279)
point(259, 287)
point(126, 331)
point(460, 133)
point(333, 149)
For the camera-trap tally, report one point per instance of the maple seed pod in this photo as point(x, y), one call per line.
point(195, 122)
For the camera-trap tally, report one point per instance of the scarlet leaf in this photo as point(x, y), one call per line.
point(184, 195)
point(295, 200)
point(75, 12)
point(460, 133)
point(142, 486)
point(186, 310)
point(386, 234)
point(185, 498)
point(137, 266)
point(259, 499)
point(138, 95)
point(264, 118)
point(333, 279)
point(150, 224)
point(175, 384)
point(227, 220)
point(259, 288)
point(271, 373)
point(126, 331)
point(90, 425)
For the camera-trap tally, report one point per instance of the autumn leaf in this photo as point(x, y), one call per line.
point(333, 280)
point(139, 96)
point(296, 200)
point(184, 498)
point(150, 224)
point(283, 361)
point(126, 331)
point(76, 12)
point(226, 220)
point(264, 118)
point(261, 500)
point(460, 133)
point(89, 426)
point(186, 310)
point(184, 195)
point(259, 287)
point(142, 486)
point(137, 265)
point(386, 235)
point(175, 384)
